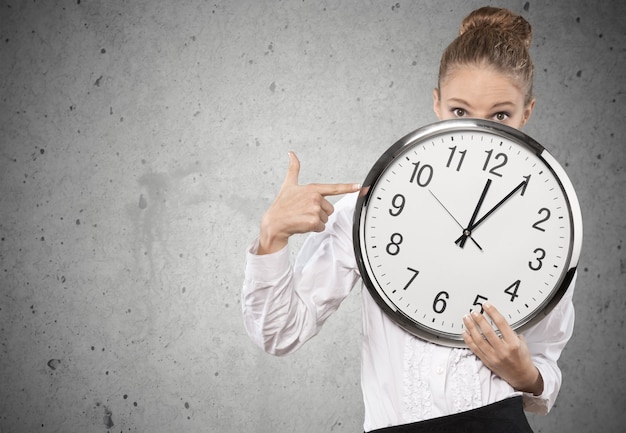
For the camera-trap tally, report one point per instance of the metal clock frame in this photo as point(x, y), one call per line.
point(425, 134)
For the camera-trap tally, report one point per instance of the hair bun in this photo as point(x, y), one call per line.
point(498, 19)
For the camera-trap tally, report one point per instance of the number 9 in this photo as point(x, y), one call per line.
point(398, 206)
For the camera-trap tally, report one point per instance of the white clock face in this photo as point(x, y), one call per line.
point(461, 215)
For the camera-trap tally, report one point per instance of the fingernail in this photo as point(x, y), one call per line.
point(356, 186)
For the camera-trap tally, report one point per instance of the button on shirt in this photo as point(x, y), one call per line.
point(404, 379)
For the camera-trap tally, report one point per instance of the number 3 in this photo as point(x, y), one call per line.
point(542, 255)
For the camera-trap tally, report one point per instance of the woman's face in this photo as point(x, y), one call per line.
point(480, 92)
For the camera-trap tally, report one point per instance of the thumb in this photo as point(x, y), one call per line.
point(293, 171)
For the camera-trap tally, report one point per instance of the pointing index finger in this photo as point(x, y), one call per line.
point(324, 189)
point(328, 189)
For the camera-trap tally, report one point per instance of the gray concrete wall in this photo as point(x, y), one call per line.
point(140, 143)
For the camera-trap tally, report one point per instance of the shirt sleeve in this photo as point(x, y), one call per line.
point(546, 340)
point(284, 305)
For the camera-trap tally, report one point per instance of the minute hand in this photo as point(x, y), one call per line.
point(492, 210)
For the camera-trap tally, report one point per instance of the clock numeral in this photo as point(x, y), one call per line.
point(479, 301)
point(415, 273)
point(440, 304)
point(398, 204)
point(537, 225)
point(452, 152)
point(422, 175)
point(542, 255)
point(499, 156)
point(393, 247)
point(512, 290)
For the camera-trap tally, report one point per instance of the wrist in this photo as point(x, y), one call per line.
point(533, 384)
point(270, 241)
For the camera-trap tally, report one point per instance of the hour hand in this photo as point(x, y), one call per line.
point(467, 232)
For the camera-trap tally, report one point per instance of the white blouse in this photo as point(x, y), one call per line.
point(403, 378)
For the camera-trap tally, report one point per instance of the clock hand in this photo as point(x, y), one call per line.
point(467, 231)
point(455, 220)
point(472, 226)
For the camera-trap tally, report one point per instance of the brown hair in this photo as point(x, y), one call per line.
point(496, 37)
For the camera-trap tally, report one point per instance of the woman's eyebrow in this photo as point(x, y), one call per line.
point(467, 104)
point(458, 101)
point(503, 104)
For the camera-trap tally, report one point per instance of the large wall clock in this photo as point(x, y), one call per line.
point(460, 212)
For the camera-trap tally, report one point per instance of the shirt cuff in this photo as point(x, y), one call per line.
point(535, 403)
point(539, 404)
point(266, 267)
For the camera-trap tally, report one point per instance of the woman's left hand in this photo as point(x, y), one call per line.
point(507, 355)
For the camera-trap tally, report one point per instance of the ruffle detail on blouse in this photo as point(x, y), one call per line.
point(417, 399)
point(464, 381)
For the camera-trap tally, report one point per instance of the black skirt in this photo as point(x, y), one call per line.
point(506, 416)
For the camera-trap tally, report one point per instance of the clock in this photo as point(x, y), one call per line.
point(461, 212)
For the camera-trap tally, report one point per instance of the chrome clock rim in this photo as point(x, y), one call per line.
point(461, 125)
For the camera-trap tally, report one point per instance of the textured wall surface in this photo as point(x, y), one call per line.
point(140, 143)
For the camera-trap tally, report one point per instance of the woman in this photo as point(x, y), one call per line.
point(410, 385)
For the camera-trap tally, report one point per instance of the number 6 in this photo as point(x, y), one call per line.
point(440, 304)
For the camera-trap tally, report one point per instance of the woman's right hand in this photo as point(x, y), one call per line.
point(297, 209)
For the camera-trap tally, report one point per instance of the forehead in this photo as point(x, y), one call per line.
point(480, 86)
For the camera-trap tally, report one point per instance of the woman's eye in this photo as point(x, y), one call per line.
point(459, 112)
point(501, 117)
